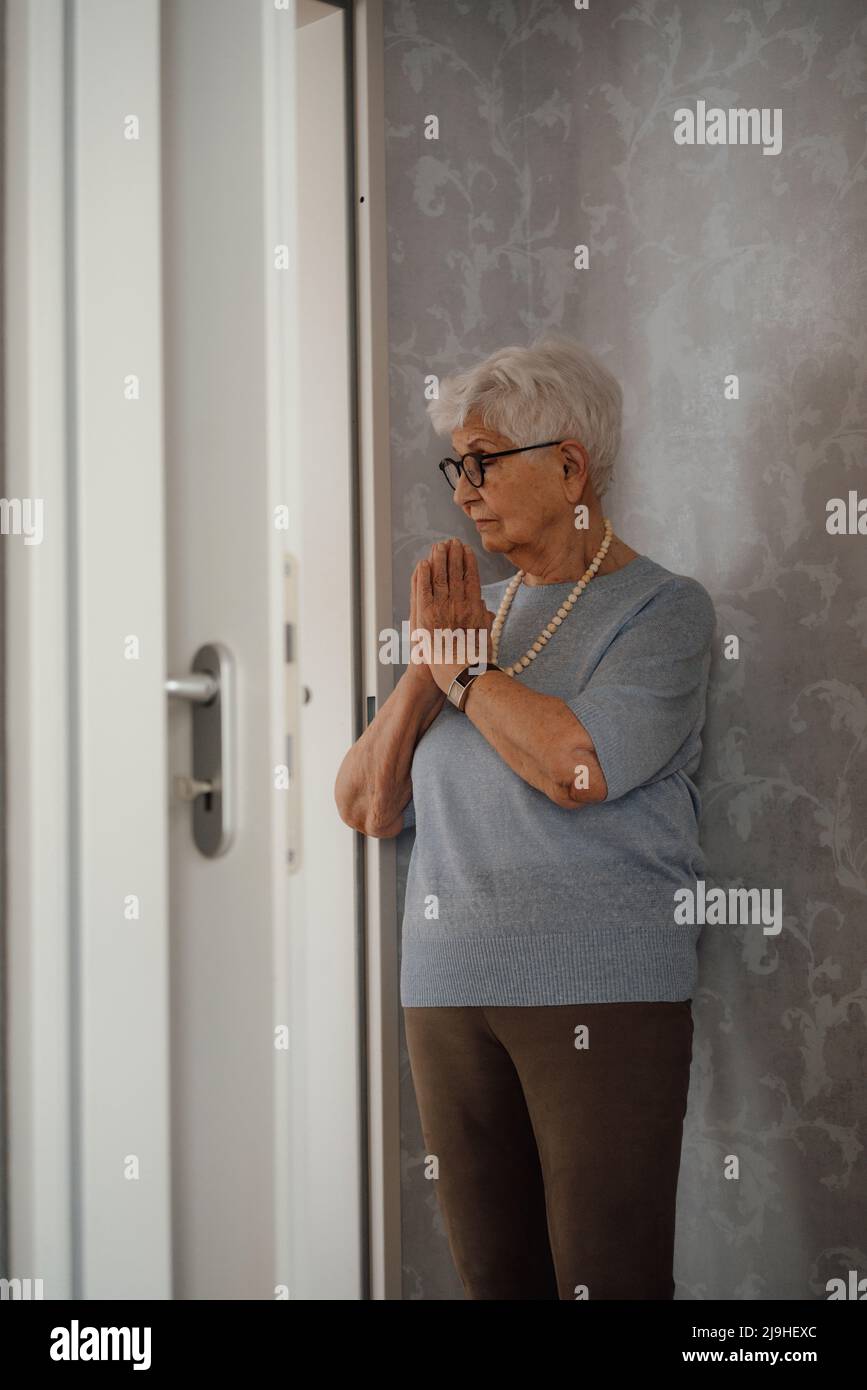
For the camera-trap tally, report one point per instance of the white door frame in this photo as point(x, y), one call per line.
point(374, 457)
point(88, 1049)
point(37, 703)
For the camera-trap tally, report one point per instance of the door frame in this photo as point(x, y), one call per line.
point(378, 857)
point(88, 1142)
point(38, 1074)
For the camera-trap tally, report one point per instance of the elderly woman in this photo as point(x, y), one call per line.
point(545, 982)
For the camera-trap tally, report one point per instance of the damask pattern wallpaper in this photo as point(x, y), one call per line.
point(577, 167)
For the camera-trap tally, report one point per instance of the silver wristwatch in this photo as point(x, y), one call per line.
point(457, 691)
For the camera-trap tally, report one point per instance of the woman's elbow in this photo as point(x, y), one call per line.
point(369, 815)
point(579, 781)
point(384, 818)
point(349, 797)
point(379, 831)
point(370, 826)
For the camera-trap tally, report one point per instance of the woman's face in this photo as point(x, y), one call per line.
point(523, 496)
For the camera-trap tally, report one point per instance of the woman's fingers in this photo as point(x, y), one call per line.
point(424, 591)
point(472, 582)
point(449, 582)
point(413, 606)
point(439, 569)
point(456, 567)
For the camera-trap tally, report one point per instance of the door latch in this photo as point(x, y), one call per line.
point(210, 788)
point(187, 788)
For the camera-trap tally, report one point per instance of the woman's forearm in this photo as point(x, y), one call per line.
point(374, 784)
point(537, 735)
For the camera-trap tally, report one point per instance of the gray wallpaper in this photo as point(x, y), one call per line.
point(725, 287)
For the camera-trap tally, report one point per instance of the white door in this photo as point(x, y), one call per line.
point(186, 1050)
point(265, 986)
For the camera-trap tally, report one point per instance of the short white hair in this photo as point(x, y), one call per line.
point(553, 389)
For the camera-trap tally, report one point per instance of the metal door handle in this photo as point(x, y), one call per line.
point(187, 788)
point(200, 689)
point(210, 789)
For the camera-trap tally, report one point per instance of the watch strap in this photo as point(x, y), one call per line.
point(457, 691)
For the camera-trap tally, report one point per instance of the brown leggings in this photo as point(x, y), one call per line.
point(557, 1164)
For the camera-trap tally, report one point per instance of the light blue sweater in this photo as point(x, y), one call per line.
point(513, 900)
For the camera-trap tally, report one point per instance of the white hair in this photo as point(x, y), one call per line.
point(554, 389)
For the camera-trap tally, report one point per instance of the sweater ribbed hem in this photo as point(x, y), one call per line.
point(642, 964)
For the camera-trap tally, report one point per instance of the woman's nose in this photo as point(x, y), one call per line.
point(464, 492)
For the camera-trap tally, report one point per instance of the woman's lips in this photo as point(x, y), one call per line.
point(484, 521)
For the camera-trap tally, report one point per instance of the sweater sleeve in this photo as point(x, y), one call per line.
point(409, 814)
point(644, 704)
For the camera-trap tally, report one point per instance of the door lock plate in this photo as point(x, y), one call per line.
point(211, 786)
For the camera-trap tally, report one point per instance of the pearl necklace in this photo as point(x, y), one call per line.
point(547, 633)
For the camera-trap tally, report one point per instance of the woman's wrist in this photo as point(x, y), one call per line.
point(420, 681)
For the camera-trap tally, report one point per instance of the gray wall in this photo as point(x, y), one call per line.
point(556, 128)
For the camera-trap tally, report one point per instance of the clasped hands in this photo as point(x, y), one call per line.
point(446, 598)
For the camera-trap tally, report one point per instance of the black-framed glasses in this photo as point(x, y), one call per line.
point(473, 465)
